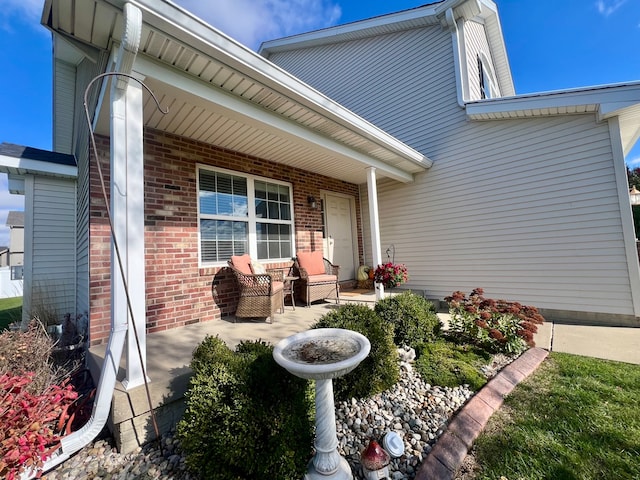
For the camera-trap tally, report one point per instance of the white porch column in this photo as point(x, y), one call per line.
point(127, 201)
point(376, 254)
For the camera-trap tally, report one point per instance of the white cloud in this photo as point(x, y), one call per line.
point(8, 202)
point(607, 7)
point(633, 162)
point(253, 21)
point(28, 12)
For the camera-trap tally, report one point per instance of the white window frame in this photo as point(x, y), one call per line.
point(487, 78)
point(251, 218)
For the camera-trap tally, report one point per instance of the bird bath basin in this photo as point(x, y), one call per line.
point(323, 354)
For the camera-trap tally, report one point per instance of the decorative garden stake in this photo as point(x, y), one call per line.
point(323, 354)
point(375, 462)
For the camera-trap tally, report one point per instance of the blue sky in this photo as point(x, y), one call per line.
point(552, 45)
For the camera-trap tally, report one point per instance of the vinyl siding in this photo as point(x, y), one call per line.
point(87, 70)
point(527, 209)
point(63, 105)
point(387, 80)
point(53, 245)
point(475, 42)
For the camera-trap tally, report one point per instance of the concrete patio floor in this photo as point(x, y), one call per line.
point(169, 354)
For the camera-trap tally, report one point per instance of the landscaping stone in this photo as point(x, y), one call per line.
point(417, 411)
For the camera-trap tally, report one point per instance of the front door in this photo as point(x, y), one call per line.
point(341, 248)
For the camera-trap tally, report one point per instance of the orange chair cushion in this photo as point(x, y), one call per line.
point(242, 263)
point(277, 286)
point(312, 262)
point(322, 279)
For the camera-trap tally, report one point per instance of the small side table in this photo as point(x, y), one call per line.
point(288, 289)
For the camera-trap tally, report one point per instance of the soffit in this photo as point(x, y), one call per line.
point(191, 55)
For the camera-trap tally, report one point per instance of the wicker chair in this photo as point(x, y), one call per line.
point(318, 277)
point(261, 294)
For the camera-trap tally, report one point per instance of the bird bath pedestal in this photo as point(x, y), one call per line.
point(323, 354)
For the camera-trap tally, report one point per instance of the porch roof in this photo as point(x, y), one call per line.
point(222, 93)
point(18, 160)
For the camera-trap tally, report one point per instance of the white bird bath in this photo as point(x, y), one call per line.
point(324, 354)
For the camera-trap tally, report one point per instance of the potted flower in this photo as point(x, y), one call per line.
point(391, 275)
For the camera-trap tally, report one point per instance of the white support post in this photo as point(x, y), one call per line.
point(127, 210)
point(376, 253)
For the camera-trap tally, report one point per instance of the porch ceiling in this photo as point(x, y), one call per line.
point(219, 92)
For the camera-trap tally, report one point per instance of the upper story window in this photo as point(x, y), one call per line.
point(488, 83)
point(243, 214)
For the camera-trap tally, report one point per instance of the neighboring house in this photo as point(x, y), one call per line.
point(45, 233)
point(15, 222)
point(12, 257)
point(4, 256)
point(525, 196)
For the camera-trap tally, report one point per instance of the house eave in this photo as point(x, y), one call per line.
point(17, 161)
point(605, 101)
point(185, 32)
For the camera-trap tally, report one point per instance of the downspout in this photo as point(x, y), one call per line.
point(74, 442)
point(457, 56)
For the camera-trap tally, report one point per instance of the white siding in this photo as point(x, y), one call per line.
point(87, 70)
point(53, 245)
point(388, 80)
point(63, 105)
point(528, 209)
point(475, 41)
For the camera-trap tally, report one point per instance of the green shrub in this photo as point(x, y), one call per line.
point(380, 370)
point(496, 325)
point(447, 364)
point(246, 417)
point(413, 318)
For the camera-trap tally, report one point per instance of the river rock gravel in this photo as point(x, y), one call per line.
point(416, 411)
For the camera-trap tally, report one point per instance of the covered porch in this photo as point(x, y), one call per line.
point(169, 354)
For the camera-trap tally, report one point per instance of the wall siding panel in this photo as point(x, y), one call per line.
point(525, 208)
point(86, 72)
point(53, 247)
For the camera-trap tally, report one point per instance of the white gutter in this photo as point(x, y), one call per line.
point(107, 382)
point(186, 27)
point(457, 56)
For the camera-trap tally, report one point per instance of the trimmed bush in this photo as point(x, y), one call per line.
point(413, 318)
point(380, 370)
point(450, 365)
point(246, 417)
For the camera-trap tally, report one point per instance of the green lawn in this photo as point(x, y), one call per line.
point(574, 418)
point(10, 311)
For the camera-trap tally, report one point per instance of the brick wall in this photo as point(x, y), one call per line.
point(179, 292)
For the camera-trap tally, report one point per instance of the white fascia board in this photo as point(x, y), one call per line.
point(271, 122)
point(362, 27)
point(36, 167)
point(198, 34)
point(489, 12)
point(613, 97)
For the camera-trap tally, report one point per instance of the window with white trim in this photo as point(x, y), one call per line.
point(488, 84)
point(243, 214)
point(17, 272)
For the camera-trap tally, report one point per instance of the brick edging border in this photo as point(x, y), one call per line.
point(451, 448)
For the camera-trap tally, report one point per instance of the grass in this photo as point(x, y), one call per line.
point(10, 311)
point(574, 418)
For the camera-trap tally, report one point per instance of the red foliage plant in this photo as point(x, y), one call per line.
point(498, 320)
point(28, 435)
